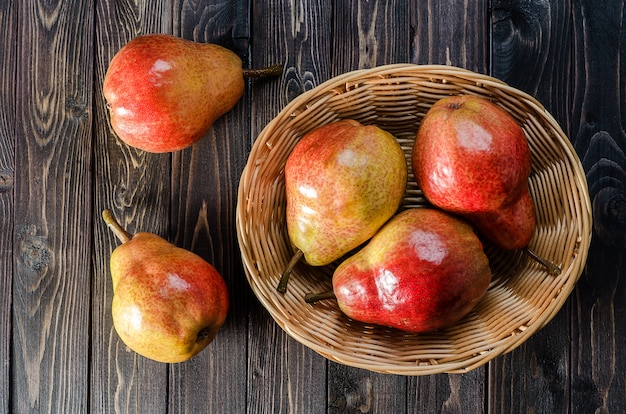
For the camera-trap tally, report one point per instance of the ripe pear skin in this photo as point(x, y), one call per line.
point(423, 271)
point(164, 92)
point(472, 158)
point(168, 303)
point(343, 181)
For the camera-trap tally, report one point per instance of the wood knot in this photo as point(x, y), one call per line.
point(33, 249)
point(77, 109)
point(604, 162)
point(354, 396)
point(609, 212)
point(6, 181)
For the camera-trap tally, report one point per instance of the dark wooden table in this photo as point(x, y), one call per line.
point(60, 165)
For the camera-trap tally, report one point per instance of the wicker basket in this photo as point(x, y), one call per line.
point(522, 296)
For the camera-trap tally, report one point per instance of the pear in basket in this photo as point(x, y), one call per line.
point(423, 271)
point(471, 158)
point(343, 181)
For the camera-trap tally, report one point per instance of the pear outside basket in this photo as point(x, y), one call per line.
point(522, 296)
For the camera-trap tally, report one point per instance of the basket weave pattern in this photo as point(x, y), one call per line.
point(522, 296)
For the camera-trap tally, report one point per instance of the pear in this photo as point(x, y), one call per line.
point(423, 271)
point(164, 92)
point(343, 181)
point(168, 303)
point(471, 158)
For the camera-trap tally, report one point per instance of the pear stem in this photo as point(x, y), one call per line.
point(553, 269)
point(270, 71)
point(316, 297)
point(284, 278)
point(115, 227)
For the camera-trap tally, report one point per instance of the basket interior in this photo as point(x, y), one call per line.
point(522, 296)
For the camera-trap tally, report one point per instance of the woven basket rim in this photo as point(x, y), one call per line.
point(318, 96)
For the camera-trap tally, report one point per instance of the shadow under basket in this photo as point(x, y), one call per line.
point(522, 296)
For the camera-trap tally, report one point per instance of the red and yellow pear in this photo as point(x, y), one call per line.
point(164, 93)
point(423, 271)
point(343, 181)
point(168, 303)
point(471, 158)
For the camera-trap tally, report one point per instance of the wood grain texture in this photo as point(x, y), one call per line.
point(136, 187)
point(443, 32)
point(598, 364)
point(546, 376)
point(204, 200)
point(284, 376)
point(53, 151)
point(537, 35)
point(451, 33)
point(448, 393)
point(354, 390)
point(8, 28)
point(367, 34)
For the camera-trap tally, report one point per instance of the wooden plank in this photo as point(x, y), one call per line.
point(454, 393)
point(52, 210)
point(369, 34)
point(136, 186)
point(355, 390)
point(443, 32)
point(365, 35)
point(598, 121)
point(8, 24)
point(449, 33)
point(283, 375)
point(204, 199)
point(531, 51)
